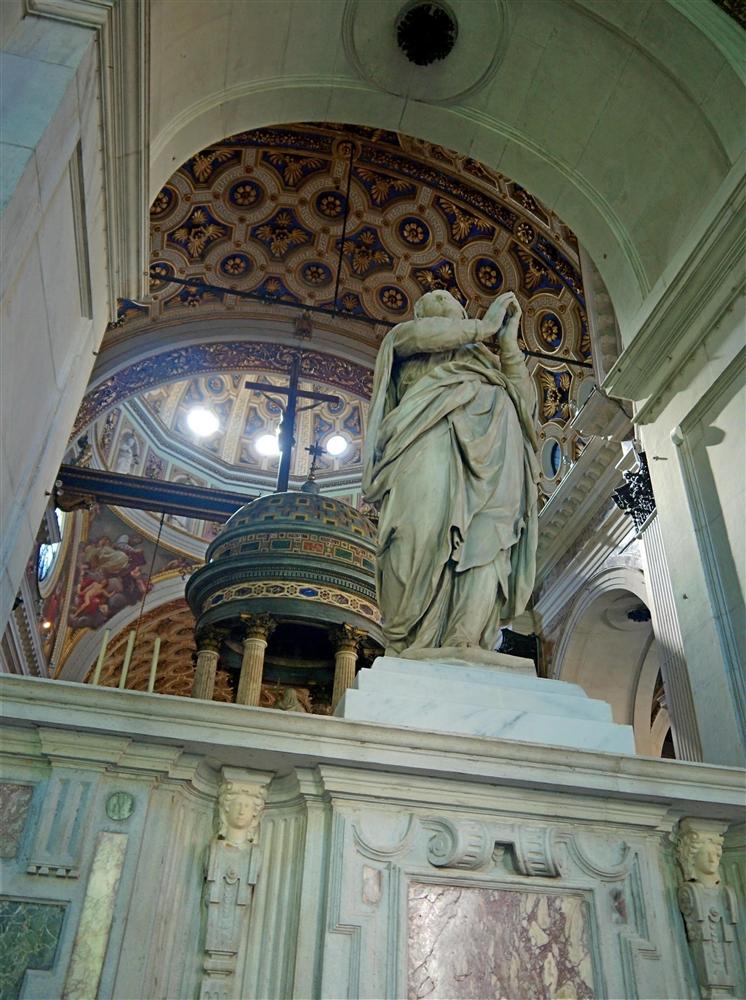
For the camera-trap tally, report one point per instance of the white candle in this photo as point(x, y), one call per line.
point(101, 655)
point(154, 663)
point(127, 658)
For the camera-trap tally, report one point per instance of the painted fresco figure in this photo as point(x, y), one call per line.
point(450, 464)
point(230, 876)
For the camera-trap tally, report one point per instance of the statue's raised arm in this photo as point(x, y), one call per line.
point(431, 331)
point(450, 464)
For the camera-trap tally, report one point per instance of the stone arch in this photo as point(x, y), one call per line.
point(601, 167)
point(608, 647)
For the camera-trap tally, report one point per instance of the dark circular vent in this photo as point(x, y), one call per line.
point(426, 33)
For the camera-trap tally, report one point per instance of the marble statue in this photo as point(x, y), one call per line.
point(128, 456)
point(231, 873)
point(709, 909)
point(450, 463)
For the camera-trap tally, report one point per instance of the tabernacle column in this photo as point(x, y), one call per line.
point(346, 641)
point(208, 647)
point(258, 630)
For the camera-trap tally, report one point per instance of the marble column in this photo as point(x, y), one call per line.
point(258, 630)
point(208, 646)
point(345, 641)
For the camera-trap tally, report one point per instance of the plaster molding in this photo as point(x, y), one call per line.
point(123, 33)
point(380, 63)
point(699, 287)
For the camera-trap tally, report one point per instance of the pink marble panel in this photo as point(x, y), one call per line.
point(493, 944)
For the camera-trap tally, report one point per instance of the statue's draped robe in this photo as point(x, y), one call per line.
point(450, 463)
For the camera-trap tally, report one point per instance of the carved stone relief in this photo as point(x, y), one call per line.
point(506, 903)
point(709, 908)
point(232, 869)
point(60, 833)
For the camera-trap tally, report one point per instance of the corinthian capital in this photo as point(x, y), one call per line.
point(258, 626)
point(346, 638)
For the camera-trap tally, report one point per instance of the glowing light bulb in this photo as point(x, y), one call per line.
point(337, 445)
point(202, 422)
point(267, 445)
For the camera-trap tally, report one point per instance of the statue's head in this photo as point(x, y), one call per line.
point(699, 852)
point(439, 302)
point(239, 810)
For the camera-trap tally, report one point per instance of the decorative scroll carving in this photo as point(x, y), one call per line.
point(534, 851)
point(459, 845)
point(232, 870)
point(709, 909)
point(469, 845)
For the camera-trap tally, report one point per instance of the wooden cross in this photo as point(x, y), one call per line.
point(287, 424)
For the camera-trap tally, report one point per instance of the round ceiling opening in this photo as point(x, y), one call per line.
point(426, 33)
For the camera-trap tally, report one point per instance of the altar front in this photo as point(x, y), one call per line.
point(386, 862)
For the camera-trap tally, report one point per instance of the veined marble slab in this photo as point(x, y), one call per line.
point(479, 942)
point(482, 701)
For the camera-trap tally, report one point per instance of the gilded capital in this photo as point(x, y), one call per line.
point(258, 626)
point(208, 640)
point(346, 638)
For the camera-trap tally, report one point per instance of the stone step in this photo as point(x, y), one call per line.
point(482, 701)
point(454, 689)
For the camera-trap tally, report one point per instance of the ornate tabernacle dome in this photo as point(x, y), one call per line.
point(287, 600)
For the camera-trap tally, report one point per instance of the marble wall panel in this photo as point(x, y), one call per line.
point(92, 938)
point(491, 943)
point(29, 935)
point(14, 804)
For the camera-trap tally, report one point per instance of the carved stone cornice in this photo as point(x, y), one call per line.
point(123, 31)
point(582, 492)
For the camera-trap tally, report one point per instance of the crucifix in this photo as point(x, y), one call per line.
point(287, 424)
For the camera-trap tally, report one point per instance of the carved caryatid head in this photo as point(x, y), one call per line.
point(239, 810)
point(699, 850)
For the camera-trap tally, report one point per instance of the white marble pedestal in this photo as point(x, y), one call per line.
point(502, 701)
